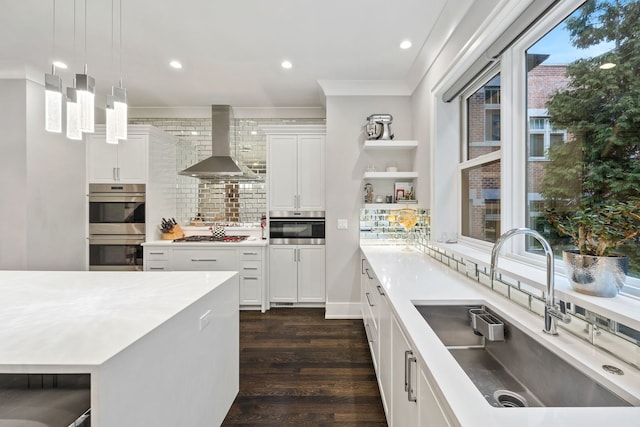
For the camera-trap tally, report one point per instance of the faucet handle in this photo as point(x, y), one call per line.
point(559, 311)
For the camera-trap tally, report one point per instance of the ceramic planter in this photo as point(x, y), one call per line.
point(595, 275)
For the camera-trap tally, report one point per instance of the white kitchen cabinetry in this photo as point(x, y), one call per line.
point(251, 276)
point(380, 153)
point(147, 156)
point(213, 259)
point(249, 262)
point(431, 414)
point(296, 172)
point(296, 273)
point(407, 395)
point(125, 162)
point(404, 377)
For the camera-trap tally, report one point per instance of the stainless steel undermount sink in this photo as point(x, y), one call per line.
point(513, 370)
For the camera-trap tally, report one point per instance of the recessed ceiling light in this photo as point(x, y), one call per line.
point(607, 66)
point(60, 64)
point(286, 65)
point(406, 44)
point(175, 64)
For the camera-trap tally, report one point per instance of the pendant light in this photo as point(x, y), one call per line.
point(85, 89)
point(111, 121)
point(73, 115)
point(120, 93)
point(53, 91)
point(116, 111)
point(53, 102)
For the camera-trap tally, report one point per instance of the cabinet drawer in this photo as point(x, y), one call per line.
point(250, 268)
point(250, 254)
point(205, 259)
point(156, 254)
point(156, 265)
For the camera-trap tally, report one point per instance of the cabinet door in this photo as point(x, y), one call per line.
point(384, 355)
point(250, 290)
point(311, 277)
point(404, 412)
point(132, 159)
point(282, 172)
point(283, 273)
point(431, 414)
point(102, 159)
point(311, 157)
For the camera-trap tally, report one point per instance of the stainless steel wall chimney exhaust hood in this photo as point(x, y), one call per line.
point(220, 165)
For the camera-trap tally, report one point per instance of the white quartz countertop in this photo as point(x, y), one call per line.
point(412, 277)
point(81, 319)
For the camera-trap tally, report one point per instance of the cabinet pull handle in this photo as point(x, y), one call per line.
point(369, 299)
point(250, 253)
point(368, 275)
point(406, 369)
point(113, 172)
point(118, 172)
point(368, 332)
point(156, 253)
point(203, 259)
point(156, 268)
point(249, 268)
point(362, 265)
point(250, 278)
point(380, 291)
point(410, 390)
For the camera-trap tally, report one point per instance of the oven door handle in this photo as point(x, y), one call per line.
point(116, 198)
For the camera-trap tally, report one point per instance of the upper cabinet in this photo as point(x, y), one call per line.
point(125, 162)
point(296, 164)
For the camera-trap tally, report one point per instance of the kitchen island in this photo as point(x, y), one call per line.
point(445, 394)
point(160, 349)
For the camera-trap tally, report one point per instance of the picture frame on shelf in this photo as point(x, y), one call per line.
point(403, 192)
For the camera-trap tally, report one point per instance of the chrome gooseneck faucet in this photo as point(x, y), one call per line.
point(552, 311)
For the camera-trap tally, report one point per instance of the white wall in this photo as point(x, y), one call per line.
point(42, 189)
point(346, 163)
point(13, 175)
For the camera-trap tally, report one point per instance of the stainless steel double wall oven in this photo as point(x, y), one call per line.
point(116, 226)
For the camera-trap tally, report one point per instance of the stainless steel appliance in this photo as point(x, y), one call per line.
point(379, 126)
point(299, 228)
point(116, 226)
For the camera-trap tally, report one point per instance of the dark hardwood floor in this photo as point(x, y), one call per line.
point(296, 368)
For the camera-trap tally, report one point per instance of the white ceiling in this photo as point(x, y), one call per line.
point(231, 49)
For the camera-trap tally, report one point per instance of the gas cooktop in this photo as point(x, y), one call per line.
point(230, 239)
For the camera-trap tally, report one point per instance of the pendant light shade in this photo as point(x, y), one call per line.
point(85, 89)
point(53, 103)
point(73, 115)
point(120, 107)
point(111, 121)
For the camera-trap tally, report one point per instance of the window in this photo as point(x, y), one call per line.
point(573, 128)
point(480, 170)
point(583, 150)
point(542, 136)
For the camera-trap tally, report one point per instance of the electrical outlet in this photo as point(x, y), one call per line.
point(343, 224)
point(205, 319)
point(471, 268)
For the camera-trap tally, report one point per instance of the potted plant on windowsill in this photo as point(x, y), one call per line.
point(594, 268)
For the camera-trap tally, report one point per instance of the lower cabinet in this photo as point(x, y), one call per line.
point(404, 384)
point(248, 262)
point(296, 273)
point(407, 395)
